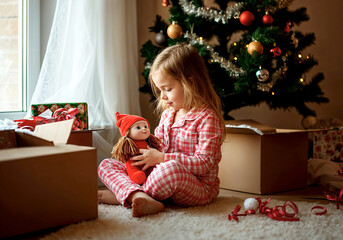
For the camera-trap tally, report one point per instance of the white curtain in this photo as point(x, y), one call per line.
point(92, 56)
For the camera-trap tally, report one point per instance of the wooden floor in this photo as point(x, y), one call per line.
point(311, 193)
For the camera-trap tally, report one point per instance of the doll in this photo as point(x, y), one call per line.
point(135, 132)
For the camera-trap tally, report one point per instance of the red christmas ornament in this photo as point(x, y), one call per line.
point(165, 3)
point(288, 26)
point(246, 18)
point(276, 51)
point(267, 19)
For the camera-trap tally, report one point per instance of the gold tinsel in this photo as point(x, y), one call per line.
point(280, 5)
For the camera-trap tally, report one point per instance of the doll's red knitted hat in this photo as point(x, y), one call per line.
point(125, 121)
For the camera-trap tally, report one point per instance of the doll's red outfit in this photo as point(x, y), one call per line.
point(135, 172)
point(189, 174)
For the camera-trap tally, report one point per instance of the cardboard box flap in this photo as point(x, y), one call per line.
point(57, 132)
point(248, 127)
point(26, 139)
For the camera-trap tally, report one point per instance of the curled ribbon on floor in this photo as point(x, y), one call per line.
point(319, 213)
point(235, 213)
point(336, 198)
point(279, 213)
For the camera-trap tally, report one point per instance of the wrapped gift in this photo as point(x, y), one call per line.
point(81, 116)
point(328, 144)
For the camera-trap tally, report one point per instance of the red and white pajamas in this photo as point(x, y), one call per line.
point(189, 173)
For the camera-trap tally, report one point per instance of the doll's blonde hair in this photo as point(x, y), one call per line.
point(183, 63)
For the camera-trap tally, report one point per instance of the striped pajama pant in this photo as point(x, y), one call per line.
point(166, 180)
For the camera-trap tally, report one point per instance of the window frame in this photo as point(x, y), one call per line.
point(31, 57)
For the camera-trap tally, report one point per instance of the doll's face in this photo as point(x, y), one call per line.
point(139, 131)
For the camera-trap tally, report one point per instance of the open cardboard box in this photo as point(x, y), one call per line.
point(44, 182)
point(262, 160)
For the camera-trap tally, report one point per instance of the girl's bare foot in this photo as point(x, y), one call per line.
point(106, 196)
point(143, 204)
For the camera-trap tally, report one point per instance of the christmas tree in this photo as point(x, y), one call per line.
point(252, 52)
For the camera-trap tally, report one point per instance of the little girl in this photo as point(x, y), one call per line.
point(191, 130)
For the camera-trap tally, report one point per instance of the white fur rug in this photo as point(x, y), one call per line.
point(206, 222)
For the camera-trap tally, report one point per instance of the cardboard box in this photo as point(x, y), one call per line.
point(83, 138)
point(46, 183)
point(260, 159)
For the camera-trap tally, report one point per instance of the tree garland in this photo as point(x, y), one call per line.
point(234, 71)
point(223, 16)
point(212, 14)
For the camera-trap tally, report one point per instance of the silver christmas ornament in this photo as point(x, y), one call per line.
point(160, 38)
point(262, 75)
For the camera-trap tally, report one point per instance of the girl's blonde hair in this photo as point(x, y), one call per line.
point(183, 62)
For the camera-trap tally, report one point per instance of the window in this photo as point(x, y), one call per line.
point(19, 55)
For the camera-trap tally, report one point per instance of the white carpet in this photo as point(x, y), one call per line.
point(206, 222)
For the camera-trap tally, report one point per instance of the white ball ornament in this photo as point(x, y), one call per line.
point(309, 122)
point(251, 204)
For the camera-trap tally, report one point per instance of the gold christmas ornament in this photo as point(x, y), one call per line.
point(174, 31)
point(255, 46)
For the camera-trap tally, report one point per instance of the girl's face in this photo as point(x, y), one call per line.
point(139, 131)
point(171, 89)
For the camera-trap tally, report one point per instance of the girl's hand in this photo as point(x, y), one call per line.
point(149, 158)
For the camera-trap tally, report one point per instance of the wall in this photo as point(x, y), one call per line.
point(146, 14)
point(327, 49)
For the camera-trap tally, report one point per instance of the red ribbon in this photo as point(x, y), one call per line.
point(42, 120)
point(319, 213)
point(26, 124)
point(60, 114)
point(336, 198)
point(235, 213)
point(280, 213)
